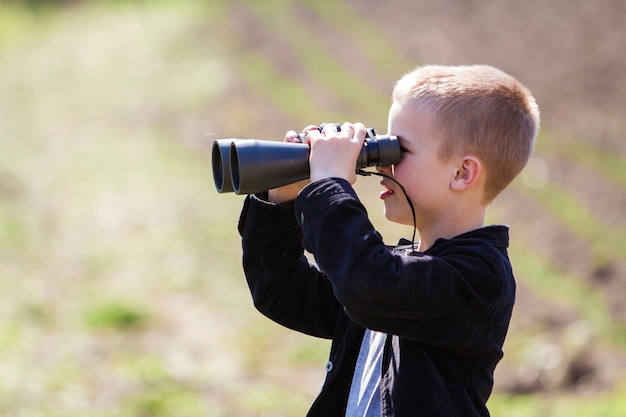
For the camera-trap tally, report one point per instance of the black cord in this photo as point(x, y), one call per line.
point(369, 173)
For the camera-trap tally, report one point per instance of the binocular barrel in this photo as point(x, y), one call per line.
point(248, 166)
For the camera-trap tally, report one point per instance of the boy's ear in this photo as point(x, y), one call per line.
point(467, 173)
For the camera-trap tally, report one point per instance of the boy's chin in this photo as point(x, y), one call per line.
point(399, 219)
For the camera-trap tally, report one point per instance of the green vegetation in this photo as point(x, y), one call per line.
point(119, 263)
point(610, 164)
point(115, 315)
point(608, 243)
point(320, 64)
point(568, 290)
point(604, 405)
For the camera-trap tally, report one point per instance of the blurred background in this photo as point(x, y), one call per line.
point(122, 290)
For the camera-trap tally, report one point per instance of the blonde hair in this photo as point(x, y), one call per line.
point(478, 110)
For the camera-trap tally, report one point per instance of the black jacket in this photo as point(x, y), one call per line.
point(446, 310)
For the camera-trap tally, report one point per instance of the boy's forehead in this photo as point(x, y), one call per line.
point(408, 109)
point(408, 117)
point(412, 125)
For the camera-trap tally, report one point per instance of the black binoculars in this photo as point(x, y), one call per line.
point(248, 166)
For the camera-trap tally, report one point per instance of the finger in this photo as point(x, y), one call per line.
point(312, 135)
point(309, 128)
point(359, 126)
point(360, 131)
point(292, 136)
point(348, 129)
point(330, 129)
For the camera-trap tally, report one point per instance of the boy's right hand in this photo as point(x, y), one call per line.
point(289, 192)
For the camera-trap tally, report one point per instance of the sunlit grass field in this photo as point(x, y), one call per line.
point(119, 262)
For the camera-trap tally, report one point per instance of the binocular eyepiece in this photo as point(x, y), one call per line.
point(248, 166)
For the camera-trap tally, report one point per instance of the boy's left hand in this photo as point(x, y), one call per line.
point(334, 154)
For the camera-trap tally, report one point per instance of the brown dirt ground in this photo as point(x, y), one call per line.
point(567, 53)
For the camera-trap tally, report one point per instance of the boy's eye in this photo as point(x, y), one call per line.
point(401, 145)
point(403, 152)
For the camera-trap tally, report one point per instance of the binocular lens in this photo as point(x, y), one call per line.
point(220, 157)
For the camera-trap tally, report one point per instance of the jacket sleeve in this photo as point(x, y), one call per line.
point(284, 285)
point(442, 299)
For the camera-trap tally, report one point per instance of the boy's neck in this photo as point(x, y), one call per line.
point(448, 227)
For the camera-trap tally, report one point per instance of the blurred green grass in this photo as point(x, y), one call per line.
point(123, 290)
point(118, 260)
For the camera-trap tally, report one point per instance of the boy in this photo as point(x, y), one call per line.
point(413, 333)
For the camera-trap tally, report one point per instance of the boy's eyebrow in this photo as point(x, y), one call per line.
point(403, 142)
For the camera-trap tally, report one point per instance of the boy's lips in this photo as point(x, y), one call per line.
point(386, 192)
